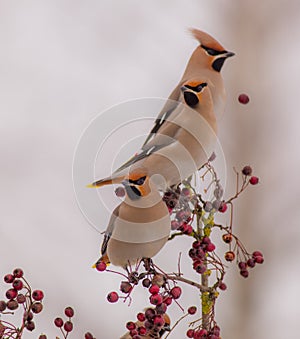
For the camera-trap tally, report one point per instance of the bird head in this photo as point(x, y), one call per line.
point(213, 52)
point(136, 184)
point(193, 92)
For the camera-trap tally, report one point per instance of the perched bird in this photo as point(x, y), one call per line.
point(172, 147)
point(205, 63)
point(153, 332)
point(140, 226)
point(181, 144)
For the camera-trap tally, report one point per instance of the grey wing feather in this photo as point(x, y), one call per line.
point(109, 229)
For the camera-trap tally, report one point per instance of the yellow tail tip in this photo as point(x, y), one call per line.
point(91, 186)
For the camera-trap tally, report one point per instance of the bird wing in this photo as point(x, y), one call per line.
point(109, 229)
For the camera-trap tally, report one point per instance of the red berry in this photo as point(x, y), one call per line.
point(242, 265)
point(154, 289)
point(120, 192)
point(68, 326)
point(257, 254)
point(196, 244)
point(175, 292)
point(88, 335)
point(251, 262)
point(125, 287)
point(216, 330)
point(229, 256)
point(206, 240)
point(223, 207)
point(37, 295)
point(243, 99)
point(202, 332)
point(190, 333)
point(168, 301)
point(2, 305)
point(12, 305)
point(146, 282)
point(259, 260)
point(254, 180)
point(161, 309)
point(222, 286)
point(30, 326)
point(247, 170)
point(18, 273)
point(17, 284)
point(156, 299)
point(9, 278)
point(158, 321)
point(28, 316)
point(130, 326)
point(37, 307)
point(149, 314)
point(69, 312)
point(11, 293)
point(101, 266)
point(58, 322)
point(244, 273)
point(227, 238)
point(142, 330)
point(21, 298)
point(113, 297)
point(210, 247)
point(192, 310)
point(42, 336)
point(148, 325)
point(141, 317)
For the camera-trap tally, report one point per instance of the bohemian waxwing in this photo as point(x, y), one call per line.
point(179, 144)
point(205, 63)
point(140, 226)
point(152, 333)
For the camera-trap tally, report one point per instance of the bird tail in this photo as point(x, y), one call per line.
point(107, 181)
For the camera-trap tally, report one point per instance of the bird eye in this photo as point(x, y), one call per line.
point(140, 181)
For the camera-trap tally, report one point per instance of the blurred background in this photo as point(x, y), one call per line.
point(64, 62)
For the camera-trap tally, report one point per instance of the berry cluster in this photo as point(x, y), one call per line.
point(193, 215)
point(19, 293)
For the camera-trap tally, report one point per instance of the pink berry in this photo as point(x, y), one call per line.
point(120, 192)
point(175, 292)
point(2, 305)
point(42, 336)
point(206, 240)
point(101, 266)
point(254, 180)
point(210, 247)
point(69, 312)
point(244, 273)
point(251, 262)
point(9, 278)
point(154, 289)
point(11, 293)
point(257, 254)
point(168, 301)
point(243, 99)
point(17, 284)
point(174, 225)
point(242, 265)
point(141, 317)
point(88, 335)
point(130, 326)
point(192, 310)
point(156, 299)
point(58, 322)
point(37, 295)
point(112, 297)
point(68, 326)
point(149, 314)
point(21, 298)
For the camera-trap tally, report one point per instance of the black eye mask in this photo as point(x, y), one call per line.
point(132, 192)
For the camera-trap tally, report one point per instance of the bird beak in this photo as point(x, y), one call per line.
point(125, 182)
point(229, 54)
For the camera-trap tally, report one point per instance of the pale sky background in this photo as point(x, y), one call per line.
point(64, 62)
